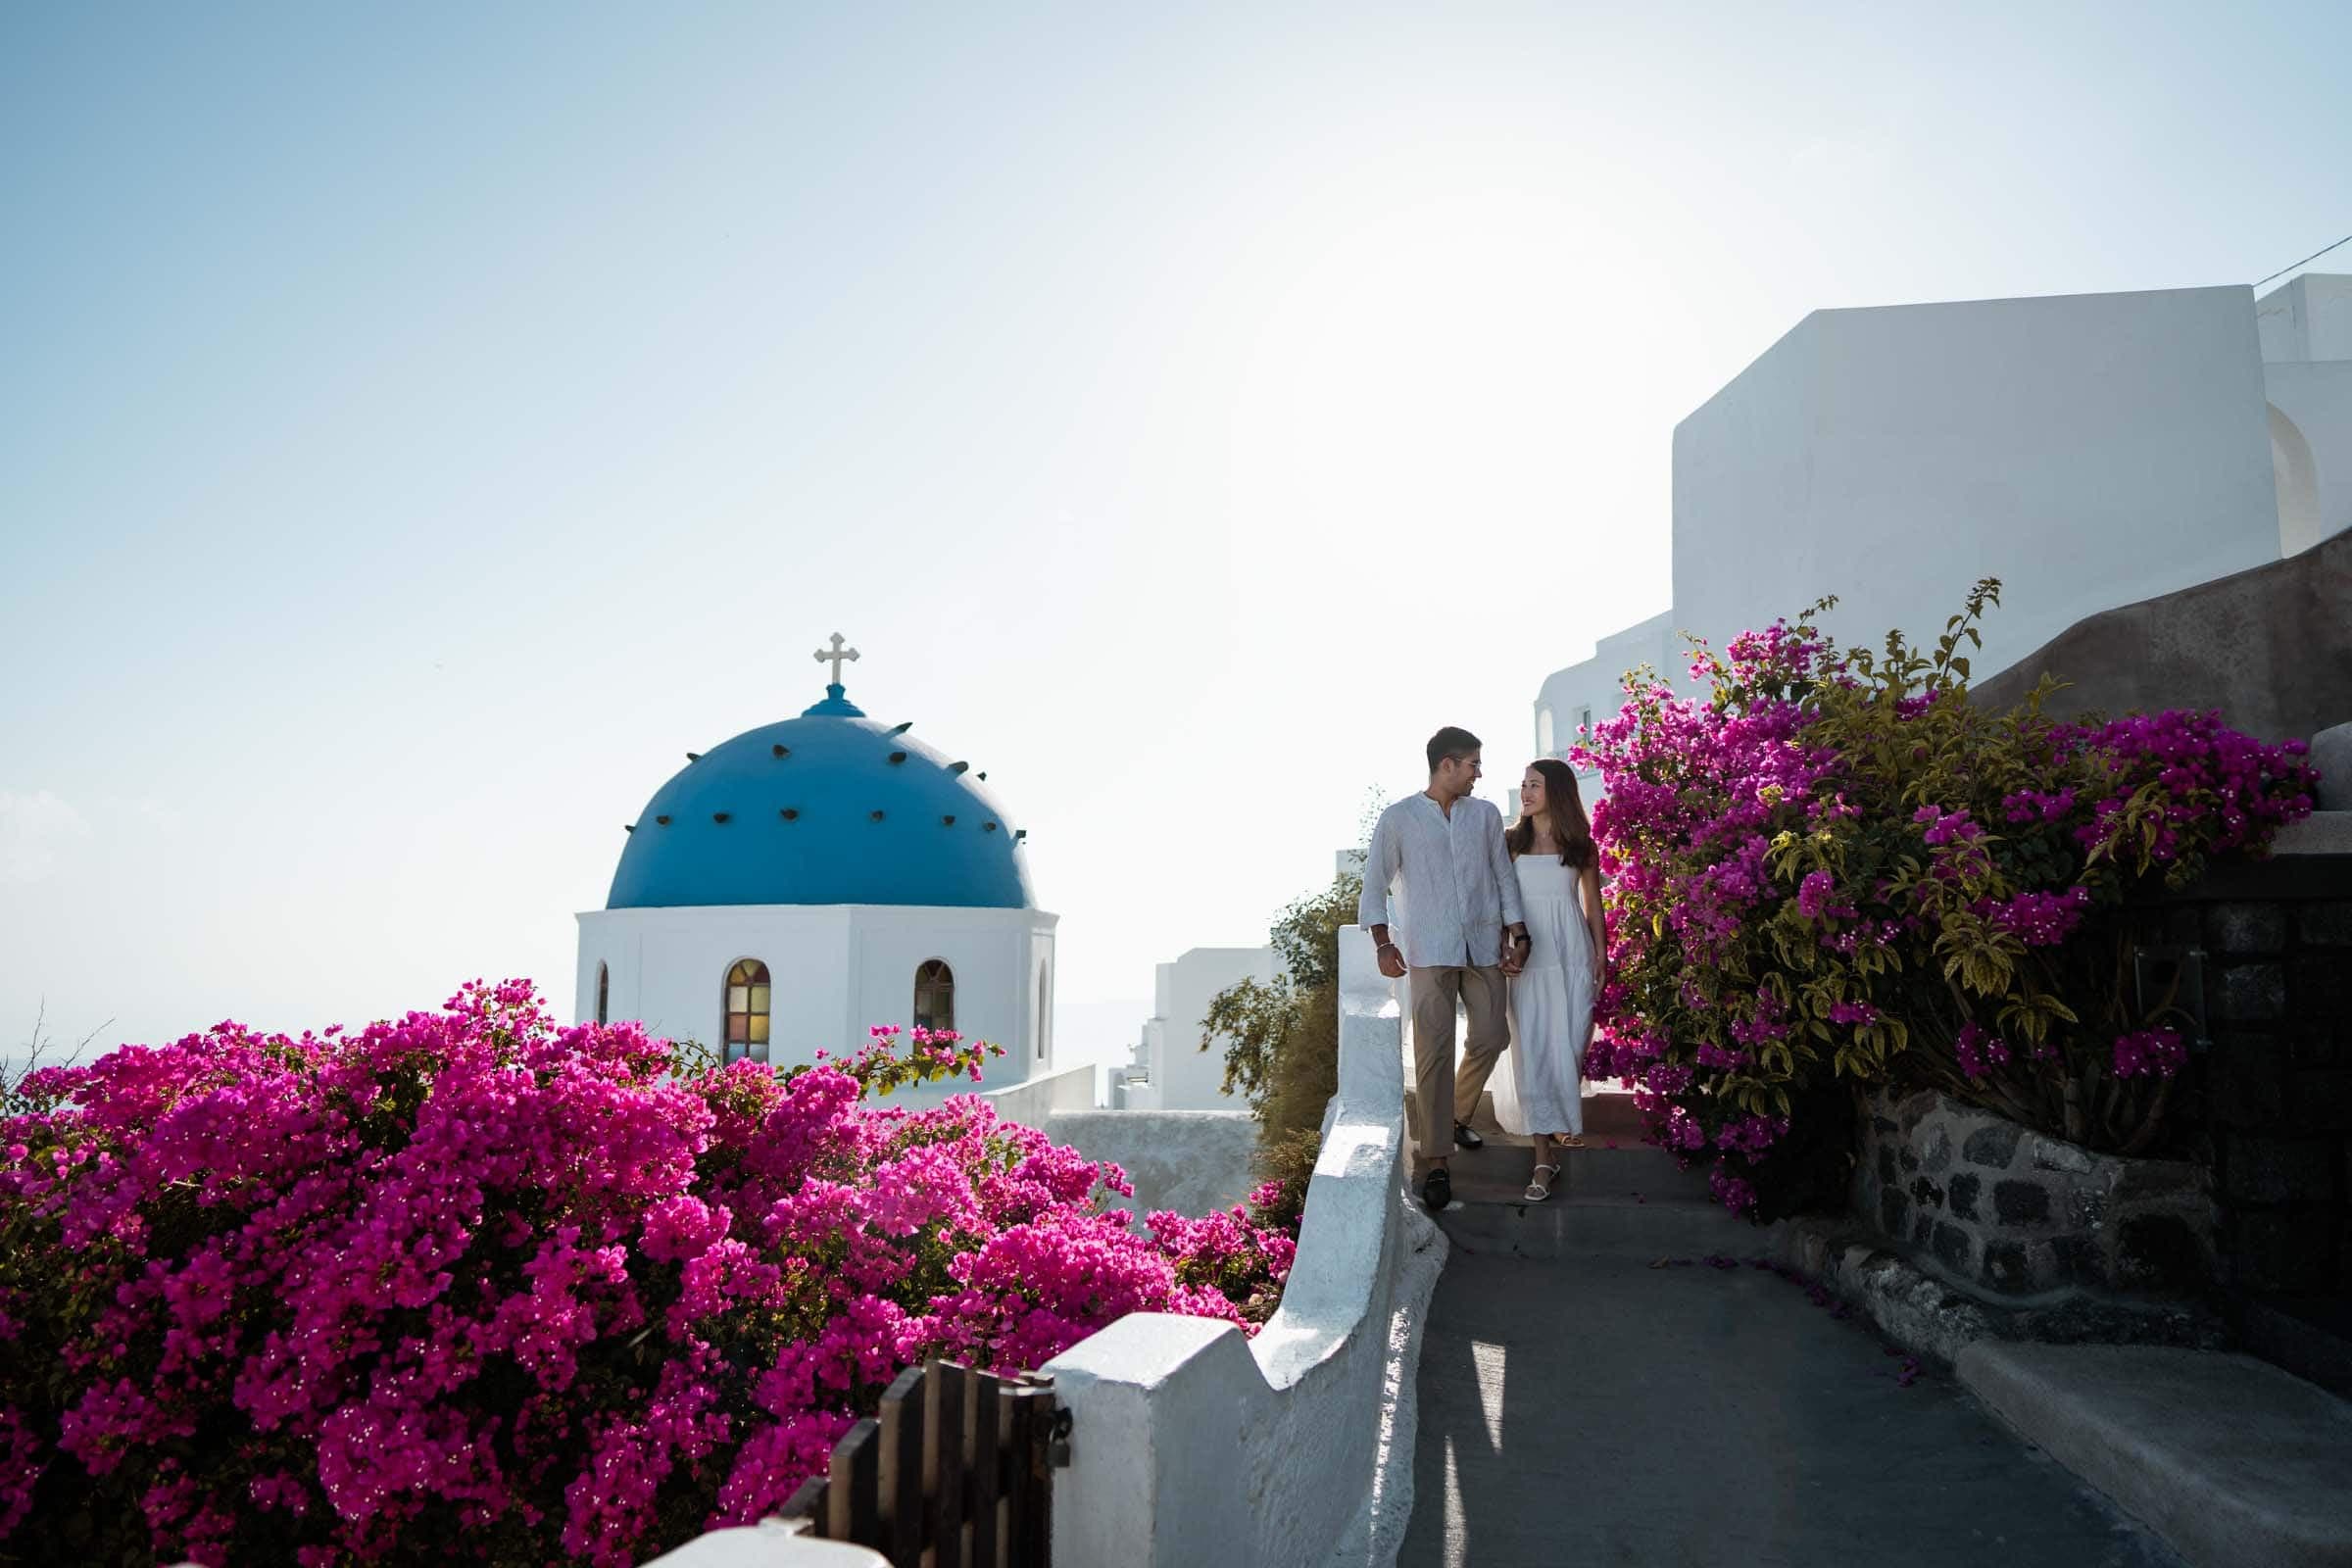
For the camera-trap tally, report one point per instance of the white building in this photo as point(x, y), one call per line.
point(2306, 332)
point(810, 878)
point(1171, 1072)
point(2088, 450)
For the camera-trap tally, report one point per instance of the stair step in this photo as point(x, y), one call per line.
point(2310, 1337)
point(1499, 1174)
point(1573, 1227)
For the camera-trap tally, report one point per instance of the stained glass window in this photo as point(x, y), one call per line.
point(747, 1000)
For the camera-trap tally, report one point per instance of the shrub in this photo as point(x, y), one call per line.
point(1835, 870)
point(1282, 1036)
point(470, 1285)
point(1285, 1166)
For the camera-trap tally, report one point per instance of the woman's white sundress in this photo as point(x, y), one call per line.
point(1551, 1006)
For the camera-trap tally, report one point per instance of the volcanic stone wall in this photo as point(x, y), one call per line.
point(2010, 1215)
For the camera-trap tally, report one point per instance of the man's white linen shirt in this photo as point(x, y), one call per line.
point(1459, 887)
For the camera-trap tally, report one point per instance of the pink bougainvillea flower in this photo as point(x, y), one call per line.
point(471, 1275)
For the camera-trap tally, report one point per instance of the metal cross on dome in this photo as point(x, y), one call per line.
point(837, 657)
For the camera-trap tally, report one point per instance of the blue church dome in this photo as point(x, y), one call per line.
point(829, 808)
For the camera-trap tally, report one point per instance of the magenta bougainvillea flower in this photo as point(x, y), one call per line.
point(1834, 865)
point(470, 1283)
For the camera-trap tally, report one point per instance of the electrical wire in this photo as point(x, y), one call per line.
point(2313, 257)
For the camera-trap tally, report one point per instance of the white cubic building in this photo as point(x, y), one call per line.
point(2088, 450)
point(1171, 1072)
point(1168, 1071)
point(807, 879)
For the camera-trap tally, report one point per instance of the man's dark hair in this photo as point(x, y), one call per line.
point(1452, 740)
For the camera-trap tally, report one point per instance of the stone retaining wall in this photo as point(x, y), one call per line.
point(2010, 1215)
point(2277, 945)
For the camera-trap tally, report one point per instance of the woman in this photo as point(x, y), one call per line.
point(1551, 996)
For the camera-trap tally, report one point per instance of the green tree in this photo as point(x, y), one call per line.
point(1282, 1036)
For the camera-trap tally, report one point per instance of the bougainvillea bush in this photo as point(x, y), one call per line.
point(1835, 870)
point(472, 1286)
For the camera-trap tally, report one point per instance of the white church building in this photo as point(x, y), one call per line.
point(2088, 450)
point(807, 879)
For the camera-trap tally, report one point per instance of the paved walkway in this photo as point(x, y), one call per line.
point(1580, 1405)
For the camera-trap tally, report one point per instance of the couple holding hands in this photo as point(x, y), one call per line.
point(1504, 924)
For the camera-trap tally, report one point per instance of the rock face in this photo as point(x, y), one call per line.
point(2271, 648)
point(2017, 1214)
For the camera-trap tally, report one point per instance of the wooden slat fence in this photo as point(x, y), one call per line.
point(955, 1472)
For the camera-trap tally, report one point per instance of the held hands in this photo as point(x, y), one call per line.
point(1515, 949)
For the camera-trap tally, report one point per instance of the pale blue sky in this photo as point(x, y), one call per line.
point(420, 426)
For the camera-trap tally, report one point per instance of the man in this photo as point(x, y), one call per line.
point(1460, 896)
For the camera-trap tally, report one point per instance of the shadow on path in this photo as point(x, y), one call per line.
point(1605, 1411)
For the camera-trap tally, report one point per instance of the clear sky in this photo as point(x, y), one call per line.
point(421, 425)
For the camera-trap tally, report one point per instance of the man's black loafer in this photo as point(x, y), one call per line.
point(1437, 1190)
point(1464, 1138)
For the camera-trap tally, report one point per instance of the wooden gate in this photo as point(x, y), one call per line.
point(955, 1472)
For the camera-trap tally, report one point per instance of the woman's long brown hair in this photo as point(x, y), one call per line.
point(1569, 824)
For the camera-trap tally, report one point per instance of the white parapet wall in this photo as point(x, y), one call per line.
point(1033, 1102)
point(1188, 1160)
point(1194, 1445)
point(771, 1543)
point(1192, 1161)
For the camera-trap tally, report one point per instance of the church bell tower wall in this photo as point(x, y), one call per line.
point(833, 971)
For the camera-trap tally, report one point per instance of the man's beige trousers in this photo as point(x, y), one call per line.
point(1442, 1095)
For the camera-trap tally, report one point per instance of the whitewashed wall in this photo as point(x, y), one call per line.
point(1596, 685)
point(2089, 449)
point(2307, 344)
point(1196, 1445)
point(834, 968)
point(1036, 1100)
point(2308, 318)
point(769, 1543)
point(1192, 1161)
point(1184, 1077)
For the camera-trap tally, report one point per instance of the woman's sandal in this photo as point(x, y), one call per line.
point(1572, 1141)
point(1537, 1192)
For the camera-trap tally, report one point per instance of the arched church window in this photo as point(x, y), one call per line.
point(747, 1012)
point(934, 995)
point(1544, 736)
point(603, 993)
point(1045, 1008)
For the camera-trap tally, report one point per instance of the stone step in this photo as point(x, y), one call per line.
point(1609, 1114)
point(1499, 1173)
point(2308, 1336)
point(1568, 1228)
point(1614, 1163)
point(2233, 1462)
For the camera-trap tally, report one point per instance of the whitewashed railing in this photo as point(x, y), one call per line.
point(1192, 1444)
